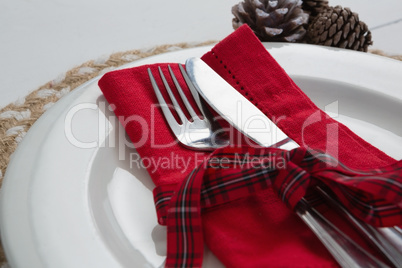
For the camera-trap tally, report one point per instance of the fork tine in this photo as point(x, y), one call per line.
point(165, 109)
point(172, 97)
point(193, 90)
point(183, 97)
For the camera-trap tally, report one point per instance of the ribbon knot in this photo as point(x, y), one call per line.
point(232, 173)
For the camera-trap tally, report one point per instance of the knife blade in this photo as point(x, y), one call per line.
point(234, 107)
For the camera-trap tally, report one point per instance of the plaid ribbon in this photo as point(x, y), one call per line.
point(230, 173)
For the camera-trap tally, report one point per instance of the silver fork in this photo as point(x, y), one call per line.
point(197, 134)
point(342, 248)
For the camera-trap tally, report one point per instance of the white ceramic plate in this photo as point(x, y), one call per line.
point(66, 206)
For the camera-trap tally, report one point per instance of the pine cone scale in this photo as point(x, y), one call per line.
point(352, 22)
point(271, 4)
point(343, 44)
point(328, 24)
point(257, 4)
point(332, 30)
point(351, 39)
point(357, 45)
point(296, 35)
point(334, 17)
point(339, 23)
point(337, 38)
point(346, 30)
point(324, 36)
point(294, 24)
point(272, 32)
point(328, 42)
point(357, 31)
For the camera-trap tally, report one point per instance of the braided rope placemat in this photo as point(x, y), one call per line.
point(16, 118)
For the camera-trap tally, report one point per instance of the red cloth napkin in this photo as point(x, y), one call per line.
point(258, 231)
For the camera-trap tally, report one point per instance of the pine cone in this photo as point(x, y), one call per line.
point(339, 27)
point(313, 7)
point(276, 21)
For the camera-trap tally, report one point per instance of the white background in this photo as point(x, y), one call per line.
point(42, 39)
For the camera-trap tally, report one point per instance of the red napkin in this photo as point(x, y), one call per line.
point(258, 231)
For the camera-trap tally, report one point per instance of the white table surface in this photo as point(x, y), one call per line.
point(42, 39)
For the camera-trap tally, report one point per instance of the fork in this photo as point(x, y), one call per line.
point(199, 135)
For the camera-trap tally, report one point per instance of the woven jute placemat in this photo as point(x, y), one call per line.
point(17, 118)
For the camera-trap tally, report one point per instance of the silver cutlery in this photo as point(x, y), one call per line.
point(345, 250)
point(379, 238)
point(198, 134)
point(210, 85)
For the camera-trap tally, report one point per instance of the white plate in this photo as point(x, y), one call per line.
point(65, 206)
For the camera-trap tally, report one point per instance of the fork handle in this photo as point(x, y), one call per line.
point(377, 237)
point(343, 249)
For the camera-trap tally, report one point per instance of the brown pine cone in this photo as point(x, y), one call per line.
point(339, 27)
point(272, 20)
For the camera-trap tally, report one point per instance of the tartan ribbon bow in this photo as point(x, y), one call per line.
point(232, 173)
